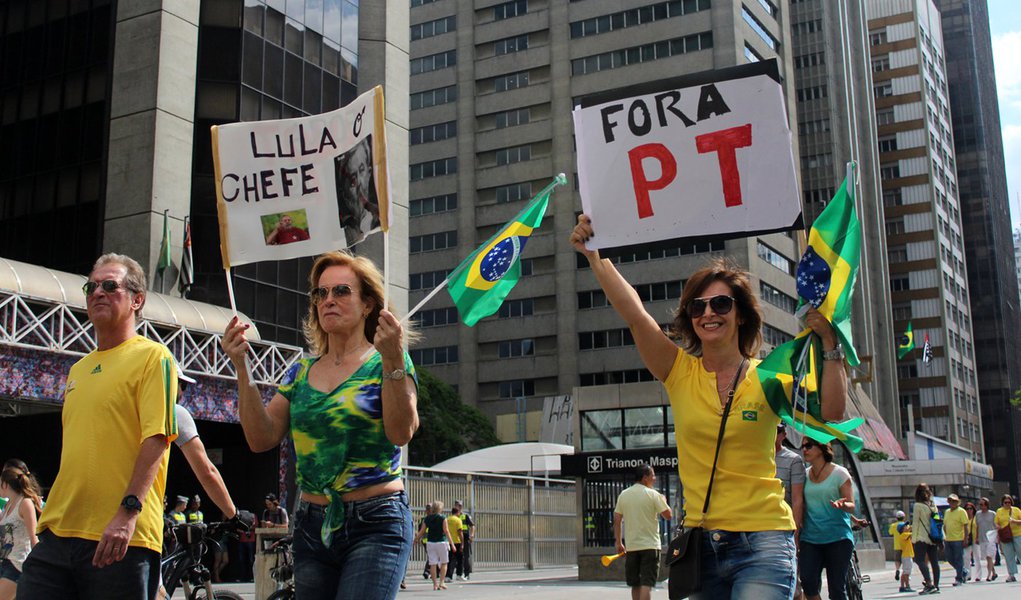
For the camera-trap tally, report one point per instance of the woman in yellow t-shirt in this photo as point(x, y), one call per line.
point(1010, 514)
point(748, 549)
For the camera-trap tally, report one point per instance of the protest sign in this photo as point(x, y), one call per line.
point(697, 156)
point(300, 187)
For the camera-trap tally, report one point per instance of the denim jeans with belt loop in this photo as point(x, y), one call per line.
point(748, 565)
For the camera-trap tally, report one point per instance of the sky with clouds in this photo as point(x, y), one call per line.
point(1005, 25)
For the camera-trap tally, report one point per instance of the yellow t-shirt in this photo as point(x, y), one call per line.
point(747, 496)
point(904, 539)
point(1001, 519)
point(896, 537)
point(954, 522)
point(454, 526)
point(641, 506)
point(114, 399)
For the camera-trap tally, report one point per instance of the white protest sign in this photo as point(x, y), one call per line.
point(705, 160)
point(300, 187)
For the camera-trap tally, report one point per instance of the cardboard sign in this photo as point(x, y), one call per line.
point(694, 157)
point(301, 187)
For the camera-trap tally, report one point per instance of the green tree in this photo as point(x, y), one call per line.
point(1016, 398)
point(447, 427)
point(867, 455)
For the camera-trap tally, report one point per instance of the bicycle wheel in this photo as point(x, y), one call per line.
point(854, 582)
point(199, 593)
point(284, 594)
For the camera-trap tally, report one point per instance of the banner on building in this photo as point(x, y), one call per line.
point(705, 155)
point(557, 420)
point(300, 187)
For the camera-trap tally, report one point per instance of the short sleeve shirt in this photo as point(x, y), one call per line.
point(454, 527)
point(186, 429)
point(954, 522)
point(790, 470)
point(895, 535)
point(434, 528)
point(641, 506)
point(825, 524)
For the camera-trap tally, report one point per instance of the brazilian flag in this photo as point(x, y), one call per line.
point(906, 342)
point(791, 375)
point(484, 279)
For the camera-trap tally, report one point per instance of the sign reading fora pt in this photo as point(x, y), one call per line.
point(702, 155)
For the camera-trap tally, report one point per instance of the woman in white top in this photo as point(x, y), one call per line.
point(17, 526)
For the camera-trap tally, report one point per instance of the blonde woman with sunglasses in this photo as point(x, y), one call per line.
point(349, 409)
point(748, 548)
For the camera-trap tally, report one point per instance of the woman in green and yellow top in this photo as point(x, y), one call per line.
point(1010, 514)
point(748, 548)
point(349, 409)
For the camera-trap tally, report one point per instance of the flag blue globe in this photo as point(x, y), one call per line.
point(813, 278)
point(499, 259)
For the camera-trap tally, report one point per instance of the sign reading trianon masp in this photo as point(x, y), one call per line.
point(617, 461)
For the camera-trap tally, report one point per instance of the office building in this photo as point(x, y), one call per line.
point(492, 89)
point(925, 239)
point(985, 218)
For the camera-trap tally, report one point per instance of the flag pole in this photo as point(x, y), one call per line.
point(234, 310)
point(386, 269)
point(560, 179)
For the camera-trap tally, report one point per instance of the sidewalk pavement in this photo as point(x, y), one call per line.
point(563, 584)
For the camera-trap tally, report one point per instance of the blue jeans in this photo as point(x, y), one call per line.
point(61, 567)
point(835, 557)
point(955, 556)
point(756, 565)
point(367, 556)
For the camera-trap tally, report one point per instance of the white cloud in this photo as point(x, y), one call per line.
point(1007, 59)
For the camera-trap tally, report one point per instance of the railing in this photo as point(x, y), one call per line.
point(520, 522)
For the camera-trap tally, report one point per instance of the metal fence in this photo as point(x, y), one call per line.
point(520, 522)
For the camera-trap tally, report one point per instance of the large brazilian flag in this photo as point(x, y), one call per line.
point(790, 375)
point(484, 279)
point(906, 342)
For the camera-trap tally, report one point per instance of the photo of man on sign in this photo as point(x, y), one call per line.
point(356, 191)
point(282, 228)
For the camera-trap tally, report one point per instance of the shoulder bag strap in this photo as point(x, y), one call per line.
point(719, 438)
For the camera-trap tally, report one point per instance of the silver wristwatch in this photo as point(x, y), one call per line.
point(834, 354)
point(395, 374)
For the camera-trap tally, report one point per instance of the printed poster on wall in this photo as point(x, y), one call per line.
point(704, 155)
point(301, 187)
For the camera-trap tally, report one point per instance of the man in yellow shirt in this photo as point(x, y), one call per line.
point(897, 548)
point(955, 528)
point(637, 510)
point(101, 532)
point(457, 544)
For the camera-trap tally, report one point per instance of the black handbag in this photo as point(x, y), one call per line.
point(684, 553)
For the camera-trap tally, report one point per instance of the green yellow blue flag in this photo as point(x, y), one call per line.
point(791, 375)
point(906, 342)
point(485, 278)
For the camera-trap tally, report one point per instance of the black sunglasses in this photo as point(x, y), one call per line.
point(807, 445)
point(320, 294)
point(721, 305)
point(109, 286)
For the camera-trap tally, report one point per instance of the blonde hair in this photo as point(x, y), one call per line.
point(370, 280)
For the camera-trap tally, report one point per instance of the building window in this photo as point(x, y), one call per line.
point(760, 29)
point(433, 97)
point(444, 355)
point(770, 9)
point(812, 93)
point(433, 204)
point(601, 430)
point(512, 118)
point(885, 116)
point(751, 55)
point(415, 3)
point(888, 144)
point(433, 62)
point(775, 258)
point(516, 348)
point(773, 336)
point(517, 308)
point(511, 81)
point(514, 192)
point(880, 63)
point(518, 388)
point(433, 28)
point(641, 54)
point(636, 16)
point(777, 298)
point(889, 171)
point(509, 10)
point(592, 299)
point(877, 38)
point(436, 317)
point(427, 280)
point(432, 133)
point(508, 156)
point(900, 283)
point(902, 312)
point(679, 250)
point(882, 89)
point(609, 338)
point(664, 290)
point(433, 168)
point(615, 377)
point(432, 241)
point(510, 45)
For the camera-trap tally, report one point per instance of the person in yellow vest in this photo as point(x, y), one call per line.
point(467, 539)
point(177, 515)
point(897, 548)
point(1009, 515)
point(955, 528)
point(454, 524)
point(902, 535)
point(194, 513)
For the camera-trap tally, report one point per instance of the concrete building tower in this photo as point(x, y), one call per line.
point(928, 276)
point(492, 88)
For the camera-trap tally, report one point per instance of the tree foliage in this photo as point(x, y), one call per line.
point(867, 455)
point(447, 427)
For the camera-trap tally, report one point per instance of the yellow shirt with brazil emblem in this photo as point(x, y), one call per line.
point(114, 400)
point(747, 496)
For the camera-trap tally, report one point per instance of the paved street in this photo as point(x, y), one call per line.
point(562, 584)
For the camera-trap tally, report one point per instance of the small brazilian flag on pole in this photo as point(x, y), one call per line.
point(485, 278)
point(906, 342)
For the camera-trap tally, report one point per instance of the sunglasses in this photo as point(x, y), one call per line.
point(320, 294)
point(721, 305)
point(808, 445)
point(109, 286)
